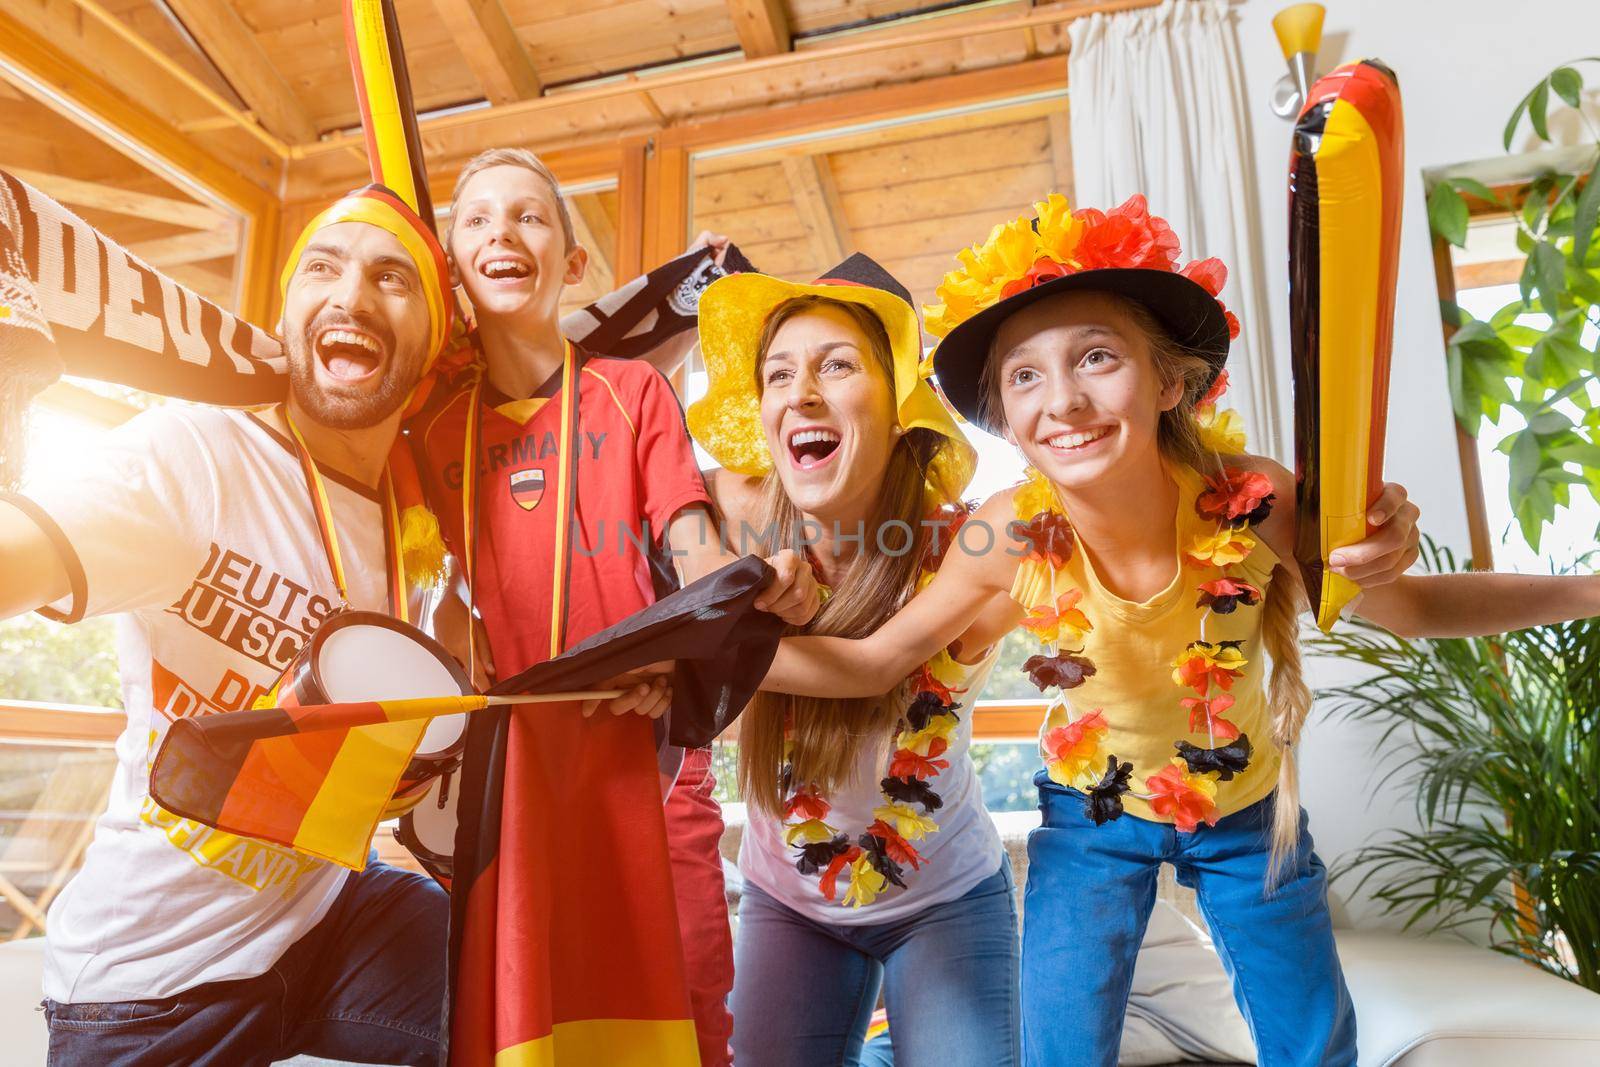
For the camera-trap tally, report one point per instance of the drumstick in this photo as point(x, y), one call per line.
point(258, 723)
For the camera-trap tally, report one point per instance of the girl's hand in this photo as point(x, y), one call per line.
point(1391, 548)
point(647, 692)
point(792, 594)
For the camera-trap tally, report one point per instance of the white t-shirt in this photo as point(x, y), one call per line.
point(194, 526)
point(964, 850)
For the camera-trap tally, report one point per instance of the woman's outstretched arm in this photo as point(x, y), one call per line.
point(1478, 603)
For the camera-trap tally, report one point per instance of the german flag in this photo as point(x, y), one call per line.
point(316, 779)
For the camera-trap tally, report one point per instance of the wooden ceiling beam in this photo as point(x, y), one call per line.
point(793, 65)
point(817, 200)
point(104, 197)
point(233, 48)
point(489, 43)
point(182, 248)
point(761, 26)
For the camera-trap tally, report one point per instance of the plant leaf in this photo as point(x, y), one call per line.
point(1516, 117)
point(1537, 107)
point(1550, 270)
point(1587, 216)
point(1568, 85)
point(1524, 462)
point(1447, 214)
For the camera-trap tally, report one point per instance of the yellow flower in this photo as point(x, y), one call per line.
point(1035, 496)
point(907, 821)
point(944, 668)
point(1049, 624)
point(866, 882)
point(1202, 665)
point(1059, 232)
point(809, 832)
point(940, 727)
point(1220, 430)
point(1073, 749)
point(1222, 549)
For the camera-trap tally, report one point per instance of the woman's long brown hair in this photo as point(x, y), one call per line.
point(828, 735)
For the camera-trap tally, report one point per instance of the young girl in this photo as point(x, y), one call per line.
point(1154, 564)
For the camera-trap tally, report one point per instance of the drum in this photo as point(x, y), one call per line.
point(358, 656)
point(428, 830)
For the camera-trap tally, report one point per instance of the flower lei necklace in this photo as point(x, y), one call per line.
point(877, 857)
point(1071, 745)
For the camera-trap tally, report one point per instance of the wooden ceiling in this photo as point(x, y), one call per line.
point(256, 97)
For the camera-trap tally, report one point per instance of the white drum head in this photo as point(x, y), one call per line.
point(442, 734)
point(435, 826)
point(363, 662)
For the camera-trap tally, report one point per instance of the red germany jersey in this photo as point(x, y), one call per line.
point(635, 470)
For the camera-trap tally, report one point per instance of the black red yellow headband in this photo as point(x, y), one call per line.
point(380, 207)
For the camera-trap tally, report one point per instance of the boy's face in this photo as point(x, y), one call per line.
point(507, 248)
point(355, 326)
point(1079, 387)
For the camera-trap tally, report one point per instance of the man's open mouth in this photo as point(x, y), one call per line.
point(349, 354)
point(812, 448)
point(503, 268)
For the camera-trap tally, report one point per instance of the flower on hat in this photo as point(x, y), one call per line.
point(1126, 236)
point(1211, 275)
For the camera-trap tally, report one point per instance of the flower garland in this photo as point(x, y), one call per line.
point(1072, 745)
point(878, 857)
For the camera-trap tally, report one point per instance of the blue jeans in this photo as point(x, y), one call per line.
point(1089, 895)
point(804, 992)
point(365, 984)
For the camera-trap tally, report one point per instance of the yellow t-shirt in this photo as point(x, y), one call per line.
point(1133, 645)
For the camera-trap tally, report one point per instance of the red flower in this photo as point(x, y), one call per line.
point(908, 764)
point(1210, 274)
point(1218, 387)
point(895, 847)
point(1044, 269)
point(1049, 538)
point(1204, 714)
point(1126, 236)
point(806, 804)
point(829, 883)
point(923, 681)
point(1188, 799)
point(1225, 594)
point(1233, 323)
point(943, 526)
point(1236, 497)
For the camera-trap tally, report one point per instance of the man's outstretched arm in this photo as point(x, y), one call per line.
point(31, 571)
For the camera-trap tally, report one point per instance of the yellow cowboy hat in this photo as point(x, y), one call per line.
point(734, 309)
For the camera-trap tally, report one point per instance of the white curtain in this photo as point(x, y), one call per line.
point(1158, 107)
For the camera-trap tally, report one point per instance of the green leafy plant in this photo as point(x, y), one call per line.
point(1500, 740)
point(1543, 372)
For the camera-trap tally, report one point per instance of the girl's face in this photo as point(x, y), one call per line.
point(828, 411)
point(507, 248)
point(1079, 388)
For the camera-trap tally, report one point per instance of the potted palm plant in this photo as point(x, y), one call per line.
point(1500, 739)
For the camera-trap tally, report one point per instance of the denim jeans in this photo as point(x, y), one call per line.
point(1089, 895)
point(366, 984)
point(804, 992)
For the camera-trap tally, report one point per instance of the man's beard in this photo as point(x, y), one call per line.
point(341, 411)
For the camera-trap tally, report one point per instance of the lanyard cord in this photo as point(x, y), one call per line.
point(322, 509)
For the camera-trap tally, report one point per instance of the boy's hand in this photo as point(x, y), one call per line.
point(647, 691)
point(792, 594)
point(1390, 549)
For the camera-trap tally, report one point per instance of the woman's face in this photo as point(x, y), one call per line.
point(1079, 387)
point(828, 411)
point(507, 248)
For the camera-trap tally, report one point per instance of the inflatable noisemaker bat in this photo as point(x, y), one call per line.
point(1344, 235)
point(383, 93)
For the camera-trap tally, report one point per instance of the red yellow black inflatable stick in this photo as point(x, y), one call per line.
point(1344, 237)
point(383, 92)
